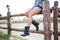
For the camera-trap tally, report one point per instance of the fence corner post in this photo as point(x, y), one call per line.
point(46, 20)
point(8, 21)
point(55, 20)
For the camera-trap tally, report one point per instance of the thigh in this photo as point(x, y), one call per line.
point(35, 11)
point(27, 11)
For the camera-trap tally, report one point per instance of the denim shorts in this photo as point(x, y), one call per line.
point(37, 6)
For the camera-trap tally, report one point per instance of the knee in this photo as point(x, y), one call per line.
point(29, 15)
point(26, 14)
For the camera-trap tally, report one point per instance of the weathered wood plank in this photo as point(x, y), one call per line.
point(46, 20)
point(32, 31)
point(21, 30)
point(8, 20)
point(55, 20)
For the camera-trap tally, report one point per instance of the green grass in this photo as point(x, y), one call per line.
point(3, 18)
point(4, 36)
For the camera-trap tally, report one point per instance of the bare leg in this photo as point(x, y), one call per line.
point(26, 13)
point(36, 24)
point(35, 11)
point(30, 14)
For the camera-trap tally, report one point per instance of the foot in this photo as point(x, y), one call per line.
point(25, 34)
point(36, 24)
point(26, 31)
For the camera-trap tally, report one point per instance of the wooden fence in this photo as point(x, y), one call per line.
point(46, 20)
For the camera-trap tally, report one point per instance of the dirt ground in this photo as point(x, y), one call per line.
point(32, 36)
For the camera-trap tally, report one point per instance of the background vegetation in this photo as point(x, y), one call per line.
point(4, 36)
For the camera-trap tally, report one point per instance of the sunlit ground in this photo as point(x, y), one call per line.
point(32, 36)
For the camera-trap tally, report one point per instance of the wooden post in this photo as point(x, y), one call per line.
point(55, 20)
point(46, 20)
point(8, 21)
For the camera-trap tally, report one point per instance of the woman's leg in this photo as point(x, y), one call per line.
point(36, 24)
point(35, 11)
point(26, 13)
